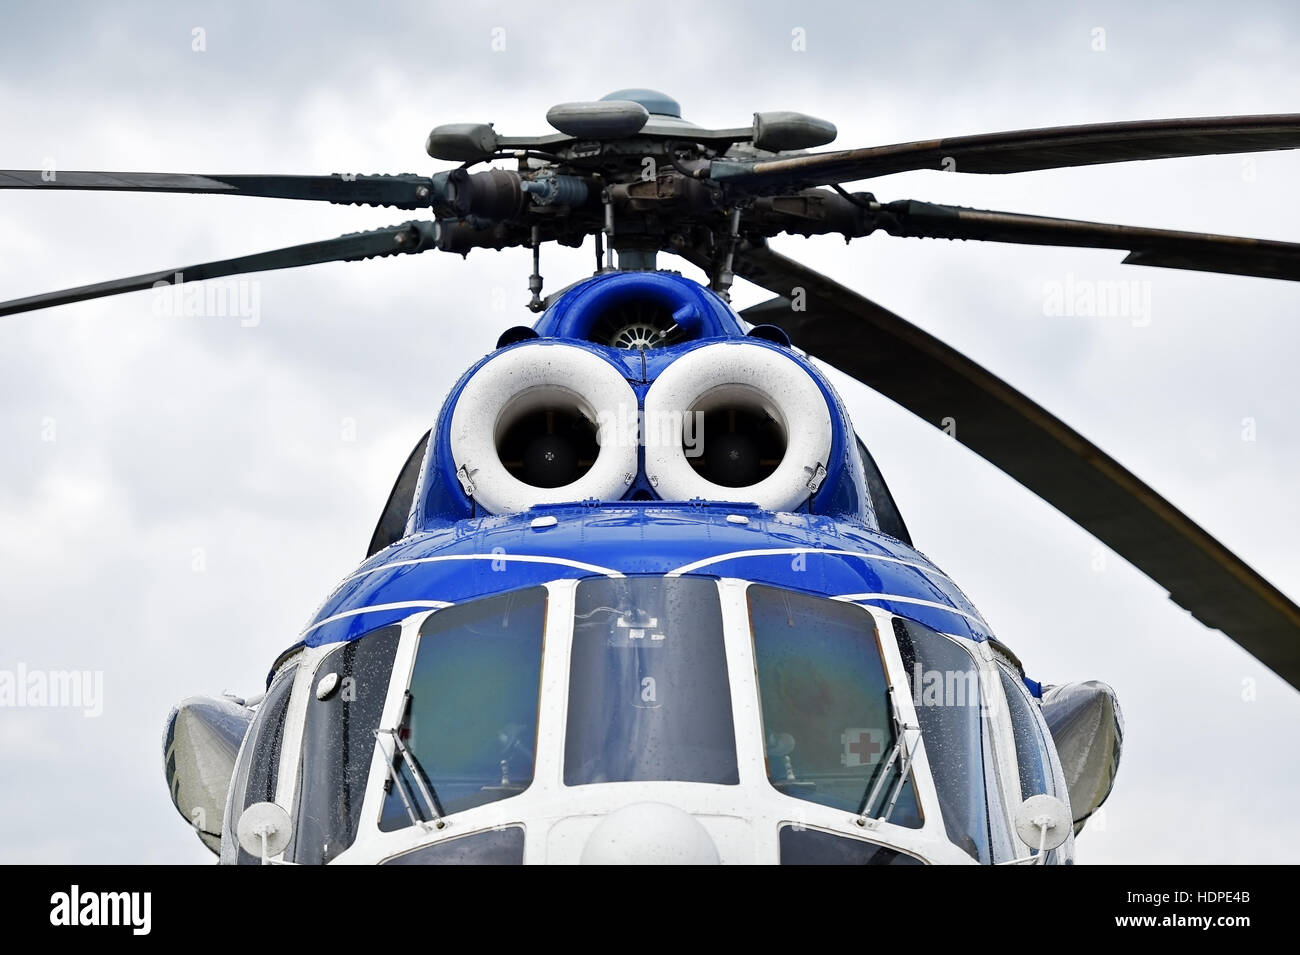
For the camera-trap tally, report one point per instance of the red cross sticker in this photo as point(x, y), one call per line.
point(861, 747)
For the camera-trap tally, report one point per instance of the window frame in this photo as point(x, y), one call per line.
point(556, 818)
point(397, 692)
point(891, 689)
point(1003, 663)
point(286, 676)
point(993, 750)
point(326, 655)
point(701, 585)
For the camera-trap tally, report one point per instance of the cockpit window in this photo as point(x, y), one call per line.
point(259, 764)
point(803, 846)
point(338, 743)
point(946, 691)
point(649, 697)
point(827, 719)
point(471, 719)
point(1031, 749)
point(504, 846)
point(1040, 769)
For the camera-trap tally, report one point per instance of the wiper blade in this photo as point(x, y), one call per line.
point(901, 750)
point(427, 793)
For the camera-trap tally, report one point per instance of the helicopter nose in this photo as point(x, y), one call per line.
point(649, 833)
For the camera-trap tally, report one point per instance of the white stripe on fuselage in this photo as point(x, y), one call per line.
point(401, 605)
point(415, 604)
point(609, 572)
point(503, 556)
point(774, 552)
point(858, 598)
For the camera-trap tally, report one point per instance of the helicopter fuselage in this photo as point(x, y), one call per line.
point(642, 608)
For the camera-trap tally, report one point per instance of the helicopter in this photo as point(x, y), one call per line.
point(641, 594)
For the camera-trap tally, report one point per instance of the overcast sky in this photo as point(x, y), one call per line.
point(178, 494)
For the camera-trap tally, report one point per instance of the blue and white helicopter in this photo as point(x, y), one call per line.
point(641, 594)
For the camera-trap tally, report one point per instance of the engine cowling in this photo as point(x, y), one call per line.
point(533, 426)
point(737, 421)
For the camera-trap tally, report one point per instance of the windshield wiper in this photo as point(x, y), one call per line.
point(427, 792)
point(901, 748)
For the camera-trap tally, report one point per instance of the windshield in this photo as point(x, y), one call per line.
point(801, 846)
point(472, 714)
point(259, 765)
point(827, 719)
point(1032, 757)
point(649, 697)
point(945, 686)
point(338, 743)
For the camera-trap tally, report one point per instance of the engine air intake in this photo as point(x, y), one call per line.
point(741, 436)
point(737, 421)
point(543, 423)
point(636, 324)
point(549, 442)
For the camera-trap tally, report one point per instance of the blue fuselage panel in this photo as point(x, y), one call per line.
point(809, 553)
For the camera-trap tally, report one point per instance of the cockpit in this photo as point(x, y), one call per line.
point(648, 718)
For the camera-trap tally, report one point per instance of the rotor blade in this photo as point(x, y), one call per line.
point(407, 237)
point(1006, 428)
point(405, 191)
point(1023, 150)
point(1203, 252)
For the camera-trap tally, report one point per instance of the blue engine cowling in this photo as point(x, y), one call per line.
point(641, 386)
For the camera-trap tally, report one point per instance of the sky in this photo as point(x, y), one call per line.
point(177, 494)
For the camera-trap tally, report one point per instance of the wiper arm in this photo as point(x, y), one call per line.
point(901, 749)
point(395, 780)
point(427, 792)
